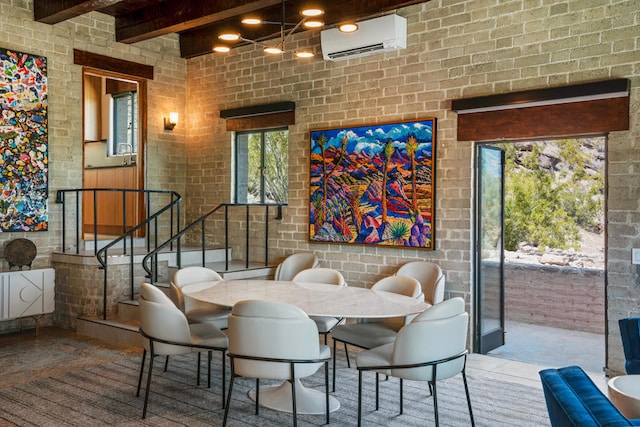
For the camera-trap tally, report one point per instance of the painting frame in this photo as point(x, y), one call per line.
point(374, 184)
point(24, 145)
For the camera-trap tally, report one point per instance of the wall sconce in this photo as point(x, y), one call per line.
point(171, 121)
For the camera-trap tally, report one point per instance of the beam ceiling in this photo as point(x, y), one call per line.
point(199, 22)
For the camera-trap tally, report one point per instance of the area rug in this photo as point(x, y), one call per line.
point(104, 394)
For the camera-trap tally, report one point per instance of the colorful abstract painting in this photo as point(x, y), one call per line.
point(23, 142)
point(373, 185)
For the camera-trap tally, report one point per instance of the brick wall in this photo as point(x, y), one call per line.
point(455, 49)
point(93, 32)
point(558, 297)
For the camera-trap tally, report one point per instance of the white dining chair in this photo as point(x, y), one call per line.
point(370, 333)
point(166, 331)
point(295, 263)
point(430, 276)
point(327, 276)
point(431, 348)
point(277, 341)
point(197, 311)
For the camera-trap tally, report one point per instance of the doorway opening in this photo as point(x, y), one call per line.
point(114, 129)
point(540, 271)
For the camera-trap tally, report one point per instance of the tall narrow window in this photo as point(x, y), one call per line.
point(124, 126)
point(262, 166)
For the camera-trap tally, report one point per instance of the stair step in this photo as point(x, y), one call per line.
point(116, 331)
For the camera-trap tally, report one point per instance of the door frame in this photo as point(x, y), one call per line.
point(496, 337)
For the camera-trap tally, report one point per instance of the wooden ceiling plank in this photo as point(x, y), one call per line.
point(200, 41)
point(55, 11)
point(173, 17)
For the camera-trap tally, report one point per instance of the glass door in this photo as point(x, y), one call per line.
point(489, 259)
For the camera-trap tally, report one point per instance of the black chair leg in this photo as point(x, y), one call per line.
point(359, 397)
point(466, 390)
point(435, 403)
point(146, 392)
point(326, 389)
point(224, 377)
point(198, 379)
point(401, 399)
point(166, 363)
point(226, 409)
point(346, 352)
point(377, 390)
point(334, 365)
point(144, 356)
point(209, 355)
point(257, 394)
point(293, 397)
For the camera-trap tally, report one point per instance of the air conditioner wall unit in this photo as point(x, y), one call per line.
point(384, 34)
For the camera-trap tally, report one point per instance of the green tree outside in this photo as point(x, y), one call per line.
point(547, 203)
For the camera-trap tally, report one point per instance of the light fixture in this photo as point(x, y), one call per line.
point(309, 20)
point(171, 121)
point(304, 53)
point(348, 27)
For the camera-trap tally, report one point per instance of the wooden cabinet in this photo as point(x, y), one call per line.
point(110, 204)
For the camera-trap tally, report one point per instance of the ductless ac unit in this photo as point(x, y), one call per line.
point(377, 35)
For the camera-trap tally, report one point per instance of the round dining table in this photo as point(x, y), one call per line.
point(315, 299)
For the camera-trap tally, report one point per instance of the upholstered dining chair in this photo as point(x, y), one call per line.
point(197, 311)
point(271, 340)
point(431, 348)
point(327, 276)
point(429, 275)
point(630, 333)
point(295, 263)
point(166, 331)
point(370, 333)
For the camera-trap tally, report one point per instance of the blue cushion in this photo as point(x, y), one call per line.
point(574, 400)
point(630, 333)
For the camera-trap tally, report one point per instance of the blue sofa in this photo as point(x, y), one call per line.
point(573, 400)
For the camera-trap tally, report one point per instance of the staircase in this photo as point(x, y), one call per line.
point(122, 328)
point(154, 259)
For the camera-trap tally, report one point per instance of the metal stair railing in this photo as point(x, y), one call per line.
point(150, 261)
point(172, 207)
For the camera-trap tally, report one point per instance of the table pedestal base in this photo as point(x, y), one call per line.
point(308, 401)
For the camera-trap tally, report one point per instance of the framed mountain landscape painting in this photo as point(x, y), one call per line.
point(373, 185)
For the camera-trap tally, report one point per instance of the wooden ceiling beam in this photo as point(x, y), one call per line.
point(174, 17)
point(55, 11)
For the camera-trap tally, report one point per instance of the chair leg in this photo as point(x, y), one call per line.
point(293, 394)
point(224, 376)
point(347, 354)
point(146, 392)
point(226, 409)
point(435, 403)
point(377, 390)
point(198, 370)
point(434, 376)
point(166, 363)
point(209, 355)
point(144, 356)
point(359, 397)
point(257, 394)
point(326, 389)
point(334, 366)
point(401, 399)
point(466, 390)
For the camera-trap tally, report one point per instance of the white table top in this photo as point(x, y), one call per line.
point(315, 299)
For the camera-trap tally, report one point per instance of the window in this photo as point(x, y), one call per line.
point(124, 126)
point(262, 166)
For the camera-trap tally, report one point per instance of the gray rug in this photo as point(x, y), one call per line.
point(105, 395)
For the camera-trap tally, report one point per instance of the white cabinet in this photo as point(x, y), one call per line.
point(26, 293)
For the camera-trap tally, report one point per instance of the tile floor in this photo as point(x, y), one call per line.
point(530, 348)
